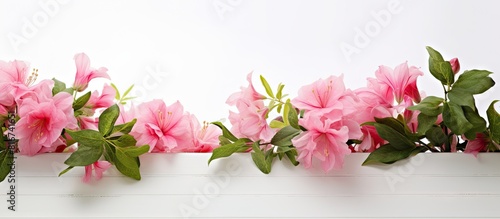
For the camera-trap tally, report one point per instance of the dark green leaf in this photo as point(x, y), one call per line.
point(269, 91)
point(284, 136)
point(125, 140)
point(425, 122)
point(436, 136)
point(461, 97)
point(228, 149)
point(439, 68)
point(474, 81)
point(225, 132)
point(223, 140)
point(259, 158)
point(127, 165)
point(395, 138)
point(292, 157)
point(6, 158)
point(478, 123)
point(59, 86)
point(387, 154)
point(81, 101)
point(85, 155)
point(134, 151)
point(65, 171)
point(293, 117)
point(124, 128)
point(87, 137)
point(494, 122)
point(109, 153)
point(393, 123)
point(454, 118)
point(429, 106)
point(107, 120)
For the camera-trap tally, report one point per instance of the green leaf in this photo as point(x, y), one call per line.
point(59, 86)
point(275, 124)
point(394, 137)
point(279, 94)
point(65, 171)
point(127, 91)
point(425, 122)
point(393, 123)
point(109, 153)
point(127, 165)
point(87, 137)
point(429, 106)
point(292, 157)
point(225, 132)
point(478, 123)
point(124, 128)
point(387, 154)
point(125, 140)
point(85, 155)
point(454, 118)
point(439, 68)
point(107, 120)
point(223, 140)
point(284, 136)
point(474, 81)
point(269, 91)
point(6, 158)
point(228, 149)
point(494, 122)
point(134, 151)
point(436, 136)
point(81, 101)
point(461, 97)
point(293, 117)
point(117, 93)
point(259, 158)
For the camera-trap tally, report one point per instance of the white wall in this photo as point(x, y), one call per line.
point(202, 50)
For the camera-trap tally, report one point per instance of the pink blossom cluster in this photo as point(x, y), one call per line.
point(43, 117)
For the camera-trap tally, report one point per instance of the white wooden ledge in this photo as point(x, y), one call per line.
point(182, 185)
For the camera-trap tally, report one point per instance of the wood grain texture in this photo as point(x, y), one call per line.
point(183, 185)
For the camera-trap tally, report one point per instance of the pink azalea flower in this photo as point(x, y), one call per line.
point(87, 122)
point(161, 127)
point(98, 167)
point(248, 93)
point(84, 73)
point(322, 95)
point(250, 121)
point(14, 71)
point(41, 123)
point(105, 100)
point(479, 144)
point(370, 140)
point(126, 115)
point(325, 140)
point(455, 65)
point(201, 138)
point(402, 80)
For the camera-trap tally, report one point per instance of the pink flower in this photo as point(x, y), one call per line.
point(201, 138)
point(87, 122)
point(41, 123)
point(248, 93)
point(402, 80)
point(99, 167)
point(250, 121)
point(14, 71)
point(479, 144)
point(84, 73)
point(370, 140)
point(105, 100)
point(455, 65)
point(159, 126)
point(322, 95)
point(126, 115)
point(325, 140)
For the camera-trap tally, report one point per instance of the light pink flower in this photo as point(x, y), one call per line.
point(325, 140)
point(84, 73)
point(87, 122)
point(201, 138)
point(14, 71)
point(159, 126)
point(324, 95)
point(104, 100)
point(370, 140)
point(455, 65)
point(246, 93)
point(402, 80)
point(250, 121)
point(41, 123)
point(126, 115)
point(479, 144)
point(98, 167)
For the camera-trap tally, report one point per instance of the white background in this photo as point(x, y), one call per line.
point(199, 52)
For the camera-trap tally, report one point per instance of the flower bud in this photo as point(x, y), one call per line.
point(455, 65)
